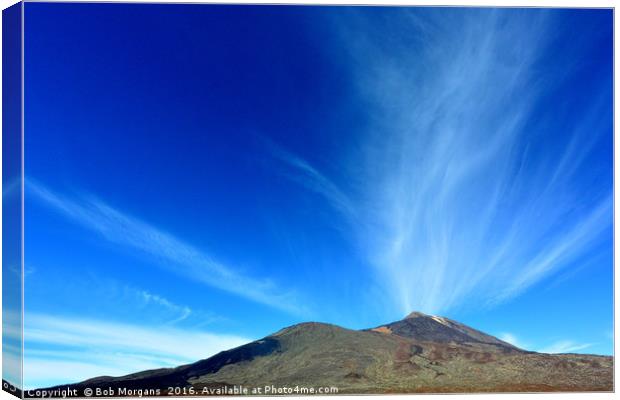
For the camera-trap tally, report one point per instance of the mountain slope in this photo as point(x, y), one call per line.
point(438, 329)
point(418, 354)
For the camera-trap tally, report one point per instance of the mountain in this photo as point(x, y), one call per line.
point(438, 329)
point(421, 353)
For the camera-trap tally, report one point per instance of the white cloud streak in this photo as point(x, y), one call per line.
point(565, 346)
point(561, 346)
point(463, 199)
point(183, 312)
point(510, 338)
point(171, 252)
point(12, 355)
point(64, 349)
point(301, 172)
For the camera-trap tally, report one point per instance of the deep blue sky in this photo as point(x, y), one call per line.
point(210, 174)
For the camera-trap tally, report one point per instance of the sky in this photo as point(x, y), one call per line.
point(197, 177)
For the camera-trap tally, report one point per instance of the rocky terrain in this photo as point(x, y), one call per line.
point(420, 353)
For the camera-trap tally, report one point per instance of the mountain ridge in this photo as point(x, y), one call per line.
point(420, 353)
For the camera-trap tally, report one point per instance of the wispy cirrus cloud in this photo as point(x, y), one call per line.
point(565, 346)
point(120, 299)
point(183, 312)
point(463, 199)
point(511, 338)
point(301, 171)
point(177, 256)
point(12, 354)
point(465, 203)
point(61, 349)
point(560, 346)
point(135, 329)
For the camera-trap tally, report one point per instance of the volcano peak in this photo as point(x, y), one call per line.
point(415, 314)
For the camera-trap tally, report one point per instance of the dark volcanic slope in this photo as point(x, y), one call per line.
point(421, 353)
point(420, 326)
point(182, 375)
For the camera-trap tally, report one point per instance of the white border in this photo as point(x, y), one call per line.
point(482, 3)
